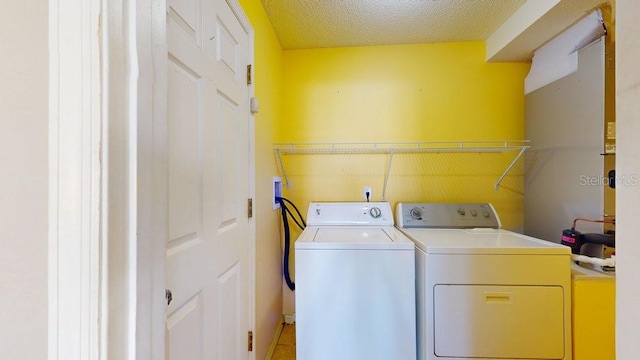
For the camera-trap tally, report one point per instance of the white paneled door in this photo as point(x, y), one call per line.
point(208, 188)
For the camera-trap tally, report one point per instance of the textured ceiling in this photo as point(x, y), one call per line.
point(522, 25)
point(304, 24)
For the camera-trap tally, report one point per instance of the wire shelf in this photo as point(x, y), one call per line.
point(391, 148)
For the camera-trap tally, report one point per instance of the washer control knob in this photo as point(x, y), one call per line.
point(416, 213)
point(486, 214)
point(473, 213)
point(461, 211)
point(375, 212)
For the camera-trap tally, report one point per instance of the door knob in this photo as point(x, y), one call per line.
point(169, 296)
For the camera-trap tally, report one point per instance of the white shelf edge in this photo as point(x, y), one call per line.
point(482, 146)
point(402, 147)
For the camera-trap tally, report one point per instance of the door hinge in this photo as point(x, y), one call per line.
point(250, 208)
point(250, 341)
point(249, 74)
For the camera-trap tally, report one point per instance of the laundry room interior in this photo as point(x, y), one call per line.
point(232, 179)
point(329, 115)
point(359, 98)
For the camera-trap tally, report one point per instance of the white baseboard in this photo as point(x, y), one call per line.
point(274, 341)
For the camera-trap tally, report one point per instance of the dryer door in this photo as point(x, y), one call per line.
point(509, 322)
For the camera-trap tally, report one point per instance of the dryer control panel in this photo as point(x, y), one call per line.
point(447, 215)
point(349, 213)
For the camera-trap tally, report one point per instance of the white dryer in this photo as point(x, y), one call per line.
point(483, 292)
point(355, 285)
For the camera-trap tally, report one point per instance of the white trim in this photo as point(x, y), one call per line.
point(104, 231)
point(133, 87)
point(118, 298)
point(244, 21)
point(157, 90)
point(53, 182)
point(75, 181)
point(238, 11)
point(252, 194)
point(133, 36)
point(148, 146)
point(275, 340)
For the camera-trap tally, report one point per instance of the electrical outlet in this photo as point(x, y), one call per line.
point(367, 190)
point(277, 191)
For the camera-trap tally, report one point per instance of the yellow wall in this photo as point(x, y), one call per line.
point(400, 93)
point(268, 89)
point(403, 93)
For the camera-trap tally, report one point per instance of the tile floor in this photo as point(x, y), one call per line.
point(286, 348)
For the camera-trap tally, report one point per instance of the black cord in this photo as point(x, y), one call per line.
point(287, 238)
point(297, 211)
point(287, 241)
point(294, 219)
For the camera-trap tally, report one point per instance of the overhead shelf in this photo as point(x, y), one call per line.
point(389, 148)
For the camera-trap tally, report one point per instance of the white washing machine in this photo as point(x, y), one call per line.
point(483, 292)
point(355, 285)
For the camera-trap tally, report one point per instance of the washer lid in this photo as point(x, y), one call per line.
point(481, 241)
point(353, 238)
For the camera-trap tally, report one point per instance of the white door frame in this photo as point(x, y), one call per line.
point(107, 83)
point(248, 28)
point(76, 187)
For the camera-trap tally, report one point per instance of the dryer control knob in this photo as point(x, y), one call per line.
point(375, 212)
point(416, 213)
